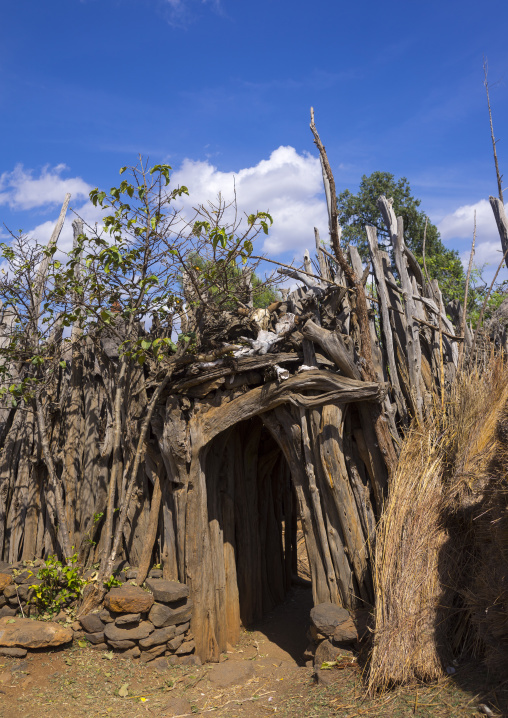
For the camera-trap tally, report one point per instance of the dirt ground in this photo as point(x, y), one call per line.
point(263, 675)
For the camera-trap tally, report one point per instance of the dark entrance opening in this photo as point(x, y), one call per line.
point(253, 516)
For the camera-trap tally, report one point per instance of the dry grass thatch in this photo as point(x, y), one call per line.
point(441, 557)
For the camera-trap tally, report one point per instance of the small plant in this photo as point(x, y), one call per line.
point(112, 582)
point(60, 585)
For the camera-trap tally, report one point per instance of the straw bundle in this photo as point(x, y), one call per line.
point(441, 558)
point(406, 572)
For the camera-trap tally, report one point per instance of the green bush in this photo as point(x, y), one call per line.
point(61, 585)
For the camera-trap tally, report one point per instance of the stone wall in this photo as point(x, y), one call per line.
point(141, 623)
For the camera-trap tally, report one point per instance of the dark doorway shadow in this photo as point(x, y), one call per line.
point(286, 625)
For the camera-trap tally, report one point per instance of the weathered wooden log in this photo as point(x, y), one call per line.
point(386, 326)
point(396, 230)
point(502, 223)
point(272, 395)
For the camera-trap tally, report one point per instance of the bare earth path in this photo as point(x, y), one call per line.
point(261, 676)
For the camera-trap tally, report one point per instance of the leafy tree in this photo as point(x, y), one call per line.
point(116, 279)
point(263, 293)
point(357, 210)
point(140, 269)
point(31, 352)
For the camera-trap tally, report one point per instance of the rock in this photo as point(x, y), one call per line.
point(121, 645)
point(133, 652)
point(176, 707)
point(186, 647)
point(327, 616)
point(100, 646)
point(161, 615)
point(25, 633)
point(152, 653)
point(173, 660)
point(3, 600)
point(155, 573)
point(131, 574)
point(20, 667)
point(326, 651)
point(5, 567)
point(76, 626)
point(190, 660)
point(167, 591)
point(114, 633)
point(13, 652)
point(14, 601)
point(7, 612)
point(160, 664)
point(10, 591)
point(231, 673)
point(78, 635)
point(159, 636)
point(346, 632)
point(128, 599)
point(24, 577)
point(175, 643)
point(95, 637)
point(327, 677)
point(91, 623)
point(105, 616)
point(182, 628)
point(5, 580)
point(128, 619)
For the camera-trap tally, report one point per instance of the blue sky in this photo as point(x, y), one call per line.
point(217, 87)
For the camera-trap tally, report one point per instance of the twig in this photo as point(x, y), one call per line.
point(424, 260)
point(499, 177)
point(294, 269)
point(487, 297)
point(433, 326)
point(21, 607)
point(235, 700)
point(464, 311)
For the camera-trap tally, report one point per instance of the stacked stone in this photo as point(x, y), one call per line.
point(15, 591)
point(333, 637)
point(144, 624)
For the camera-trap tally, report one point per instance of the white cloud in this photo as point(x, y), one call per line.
point(458, 226)
point(91, 216)
point(288, 185)
point(182, 12)
point(22, 190)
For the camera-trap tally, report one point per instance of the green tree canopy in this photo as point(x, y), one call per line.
point(263, 293)
point(357, 210)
